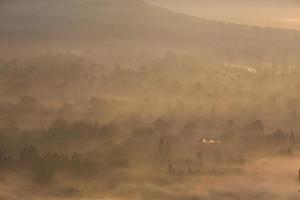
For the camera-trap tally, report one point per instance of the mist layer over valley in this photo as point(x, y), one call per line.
point(123, 99)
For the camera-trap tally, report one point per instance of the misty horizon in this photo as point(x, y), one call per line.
point(278, 14)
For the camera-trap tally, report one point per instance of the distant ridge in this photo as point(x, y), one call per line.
point(137, 22)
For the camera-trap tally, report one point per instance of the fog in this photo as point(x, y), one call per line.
point(124, 99)
point(272, 13)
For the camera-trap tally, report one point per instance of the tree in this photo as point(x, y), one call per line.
point(28, 154)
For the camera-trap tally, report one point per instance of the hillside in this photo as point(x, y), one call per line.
point(94, 23)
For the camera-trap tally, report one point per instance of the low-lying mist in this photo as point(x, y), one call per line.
point(174, 127)
point(121, 99)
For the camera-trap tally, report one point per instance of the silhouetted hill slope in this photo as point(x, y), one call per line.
point(135, 22)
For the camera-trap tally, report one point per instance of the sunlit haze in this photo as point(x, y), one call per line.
point(284, 14)
point(149, 100)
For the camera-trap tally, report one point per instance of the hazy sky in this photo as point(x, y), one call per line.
point(282, 13)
